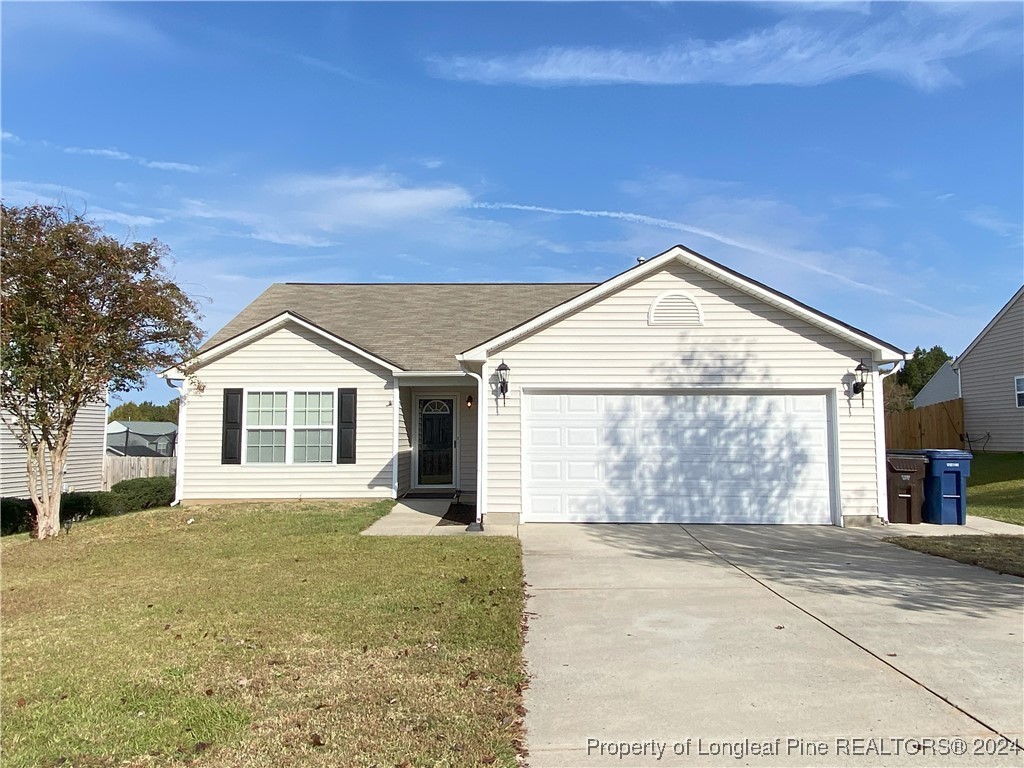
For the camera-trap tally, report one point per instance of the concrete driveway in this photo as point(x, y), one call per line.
point(765, 645)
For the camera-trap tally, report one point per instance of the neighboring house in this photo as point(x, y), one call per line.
point(992, 382)
point(677, 391)
point(141, 438)
point(84, 470)
point(942, 386)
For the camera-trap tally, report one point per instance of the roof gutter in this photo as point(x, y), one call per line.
point(181, 387)
point(880, 469)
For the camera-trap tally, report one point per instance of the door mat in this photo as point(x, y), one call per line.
point(459, 514)
point(430, 495)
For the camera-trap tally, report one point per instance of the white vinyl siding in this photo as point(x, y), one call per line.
point(992, 420)
point(84, 471)
point(291, 360)
point(404, 436)
point(744, 345)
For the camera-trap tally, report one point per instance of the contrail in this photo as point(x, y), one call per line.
point(652, 221)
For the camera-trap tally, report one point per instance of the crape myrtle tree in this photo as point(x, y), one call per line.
point(82, 314)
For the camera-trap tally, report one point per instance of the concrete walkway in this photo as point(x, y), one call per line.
point(975, 526)
point(422, 517)
point(713, 642)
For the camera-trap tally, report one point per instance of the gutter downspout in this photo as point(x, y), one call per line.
point(879, 405)
point(395, 404)
point(481, 447)
point(179, 441)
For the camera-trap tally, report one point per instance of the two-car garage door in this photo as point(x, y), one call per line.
point(677, 457)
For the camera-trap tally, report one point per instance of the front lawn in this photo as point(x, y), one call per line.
point(995, 488)
point(1002, 554)
point(260, 635)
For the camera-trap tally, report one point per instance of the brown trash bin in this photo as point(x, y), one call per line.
point(905, 480)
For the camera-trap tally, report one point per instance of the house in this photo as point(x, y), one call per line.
point(677, 391)
point(942, 386)
point(84, 469)
point(992, 382)
point(141, 438)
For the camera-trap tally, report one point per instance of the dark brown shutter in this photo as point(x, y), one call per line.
point(346, 426)
point(231, 432)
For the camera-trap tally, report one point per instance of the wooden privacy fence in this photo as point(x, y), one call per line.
point(940, 425)
point(118, 468)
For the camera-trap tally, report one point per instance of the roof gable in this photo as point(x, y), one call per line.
point(992, 324)
point(880, 350)
point(412, 327)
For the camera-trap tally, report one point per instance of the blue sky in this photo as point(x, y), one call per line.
point(864, 158)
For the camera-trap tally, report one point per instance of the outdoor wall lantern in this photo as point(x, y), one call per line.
point(469, 401)
point(862, 378)
point(502, 371)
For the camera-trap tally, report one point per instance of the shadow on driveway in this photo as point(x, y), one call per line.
point(830, 561)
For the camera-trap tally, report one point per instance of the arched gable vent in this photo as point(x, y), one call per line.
point(675, 308)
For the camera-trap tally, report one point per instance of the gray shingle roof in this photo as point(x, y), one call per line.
point(418, 327)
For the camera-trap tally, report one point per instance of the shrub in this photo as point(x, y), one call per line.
point(15, 515)
point(146, 492)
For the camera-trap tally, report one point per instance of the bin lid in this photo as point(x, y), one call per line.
point(948, 453)
point(908, 453)
point(907, 464)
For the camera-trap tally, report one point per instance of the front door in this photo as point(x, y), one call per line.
point(436, 441)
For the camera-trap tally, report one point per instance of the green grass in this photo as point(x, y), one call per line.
point(995, 488)
point(254, 634)
point(1002, 554)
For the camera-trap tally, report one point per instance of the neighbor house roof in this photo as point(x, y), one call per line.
point(142, 427)
point(984, 331)
point(418, 327)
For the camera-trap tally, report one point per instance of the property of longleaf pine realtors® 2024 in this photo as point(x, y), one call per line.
point(855, 747)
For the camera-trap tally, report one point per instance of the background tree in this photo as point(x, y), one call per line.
point(921, 367)
point(896, 396)
point(81, 312)
point(145, 411)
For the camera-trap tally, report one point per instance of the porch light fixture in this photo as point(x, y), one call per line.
point(469, 402)
point(502, 371)
point(862, 378)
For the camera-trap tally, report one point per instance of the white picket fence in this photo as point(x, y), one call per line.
point(118, 468)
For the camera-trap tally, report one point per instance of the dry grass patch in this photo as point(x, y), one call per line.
point(1002, 554)
point(260, 635)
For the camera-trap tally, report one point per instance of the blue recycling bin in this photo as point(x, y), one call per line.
point(945, 487)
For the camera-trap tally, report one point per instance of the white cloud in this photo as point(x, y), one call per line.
point(9, 137)
point(30, 193)
point(118, 217)
point(163, 165)
point(112, 153)
point(49, 34)
point(866, 200)
point(313, 210)
point(808, 260)
point(913, 45)
point(991, 220)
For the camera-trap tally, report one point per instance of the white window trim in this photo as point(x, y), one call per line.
point(289, 426)
point(1017, 391)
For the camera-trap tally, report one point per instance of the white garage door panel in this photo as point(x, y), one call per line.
point(760, 458)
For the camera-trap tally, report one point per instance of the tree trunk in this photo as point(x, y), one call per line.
point(45, 481)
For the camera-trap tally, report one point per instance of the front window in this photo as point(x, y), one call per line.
point(1018, 386)
point(289, 427)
